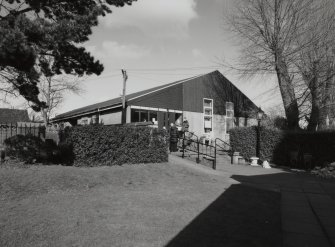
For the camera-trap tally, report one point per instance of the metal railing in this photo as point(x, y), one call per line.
point(196, 147)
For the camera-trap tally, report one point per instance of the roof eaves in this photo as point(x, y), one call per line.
point(86, 113)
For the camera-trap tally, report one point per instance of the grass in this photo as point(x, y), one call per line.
point(140, 205)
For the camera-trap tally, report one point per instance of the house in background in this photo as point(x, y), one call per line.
point(210, 103)
point(13, 116)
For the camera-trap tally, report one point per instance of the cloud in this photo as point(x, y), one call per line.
point(196, 53)
point(114, 50)
point(155, 18)
point(128, 51)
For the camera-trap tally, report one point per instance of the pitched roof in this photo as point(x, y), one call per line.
point(13, 115)
point(117, 101)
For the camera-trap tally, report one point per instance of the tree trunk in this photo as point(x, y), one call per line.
point(45, 111)
point(315, 117)
point(327, 104)
point(45, 117)
point(287, 93)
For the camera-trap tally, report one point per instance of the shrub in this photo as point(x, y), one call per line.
point(96, 145)
point(24, 147)
point(320, 144)
point(276, 145)
point(244, 140)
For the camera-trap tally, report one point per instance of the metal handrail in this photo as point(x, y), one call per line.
point(218, 139)
point(196, 140)
point(198, 158)
point(197, 151)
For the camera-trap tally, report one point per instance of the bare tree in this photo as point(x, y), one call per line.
point(269, 30)
point(316, 65)
point(52, 90)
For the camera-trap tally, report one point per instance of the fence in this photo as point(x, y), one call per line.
point(21, 128)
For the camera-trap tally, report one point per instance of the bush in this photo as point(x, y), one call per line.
point(244, 140)
point(97, 145)
point(277, 145)
point(24, 147)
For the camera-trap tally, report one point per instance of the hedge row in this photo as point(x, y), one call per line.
point(97, 145)
point(278, 145)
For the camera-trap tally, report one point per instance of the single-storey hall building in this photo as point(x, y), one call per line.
point(210, 103)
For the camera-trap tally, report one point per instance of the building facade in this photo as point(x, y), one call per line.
point(210, 103)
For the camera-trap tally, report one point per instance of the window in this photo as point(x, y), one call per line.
point(229, 116)
point(138, 115)
point(144, 115)
point(208, 115)
point(208, 103)
point(229, 109)
point(208, 112)
point(208, 123)
point(135, 115)
point(179, 119)
point(94, 119)
point(84, 122)
point(153, 117)
point(229, 124)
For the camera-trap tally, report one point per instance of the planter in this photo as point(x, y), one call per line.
point(235, 157)
point(254, 161)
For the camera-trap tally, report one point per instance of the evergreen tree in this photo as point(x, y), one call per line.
point(32, 32)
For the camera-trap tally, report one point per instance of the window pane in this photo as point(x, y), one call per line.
point(135, 116)
point(230, 123)
point(208, 111)
point(207, 103)
point(230, 113)
point(208, 122)
point(207, 130)
point(229, 106)
point(153, 117)
point(179, 119)
point(144, 116)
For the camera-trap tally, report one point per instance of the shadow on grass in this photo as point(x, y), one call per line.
point(241, 216)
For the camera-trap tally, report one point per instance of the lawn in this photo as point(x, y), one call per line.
point(167, 204)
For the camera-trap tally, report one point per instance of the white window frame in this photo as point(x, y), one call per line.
point(206, 115)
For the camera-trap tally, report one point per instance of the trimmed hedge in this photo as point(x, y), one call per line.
point(97, 145)
point(244, 140)
point(277, 145)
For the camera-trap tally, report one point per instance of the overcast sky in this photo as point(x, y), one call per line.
point(153, 40)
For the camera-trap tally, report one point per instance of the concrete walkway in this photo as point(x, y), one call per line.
point(307, 202)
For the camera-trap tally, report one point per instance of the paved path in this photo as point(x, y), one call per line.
point(307, 203)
